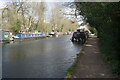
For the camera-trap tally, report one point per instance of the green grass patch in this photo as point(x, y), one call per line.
point(70, 70)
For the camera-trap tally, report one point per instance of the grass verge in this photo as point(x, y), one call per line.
point(109, 54)
point(70, 70)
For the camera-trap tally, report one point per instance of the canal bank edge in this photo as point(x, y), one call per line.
point(92, 56)
point(70, 70)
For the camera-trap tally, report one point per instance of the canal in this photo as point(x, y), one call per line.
point(43, 58)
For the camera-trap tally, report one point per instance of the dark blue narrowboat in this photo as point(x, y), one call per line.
point(26, 35)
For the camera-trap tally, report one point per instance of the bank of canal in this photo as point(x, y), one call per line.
point(43, 58)
point(90, 63)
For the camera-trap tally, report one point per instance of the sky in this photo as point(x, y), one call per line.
point(50, 4)
point(64, 0)
point(2, 4)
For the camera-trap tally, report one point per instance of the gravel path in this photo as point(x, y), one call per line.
point(91, 64)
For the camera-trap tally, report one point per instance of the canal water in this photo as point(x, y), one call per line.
point(43, 58)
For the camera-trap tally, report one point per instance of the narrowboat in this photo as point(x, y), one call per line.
point(29, 35)
point(5, 35)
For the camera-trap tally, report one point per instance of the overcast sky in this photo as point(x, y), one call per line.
point(2, 4)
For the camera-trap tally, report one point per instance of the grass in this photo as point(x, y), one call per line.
point(113, 62)
point(70, 70)
point(109, 55)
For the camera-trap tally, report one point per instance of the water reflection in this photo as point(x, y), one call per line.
point(44, 58)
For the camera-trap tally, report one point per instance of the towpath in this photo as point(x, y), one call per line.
point(91, 64)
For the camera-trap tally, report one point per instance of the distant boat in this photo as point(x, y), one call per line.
point(5, 35)
point(28, 35)
point(52, 34)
